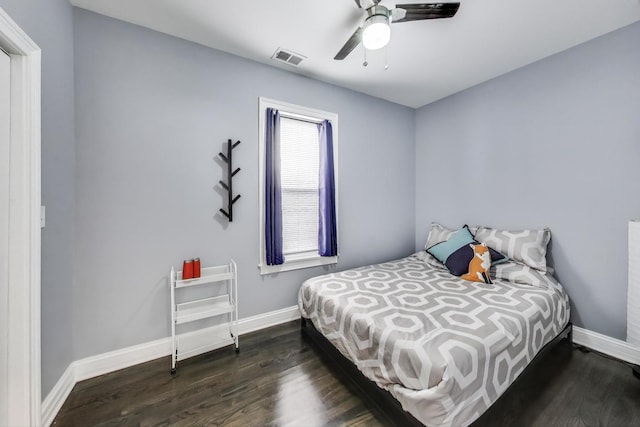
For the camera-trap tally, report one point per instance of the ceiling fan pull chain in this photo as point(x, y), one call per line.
point(386, 57)
point(365, 63)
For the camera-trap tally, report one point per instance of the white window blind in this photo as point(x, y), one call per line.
point(299, 152)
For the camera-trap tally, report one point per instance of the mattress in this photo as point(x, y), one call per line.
point(444, 347)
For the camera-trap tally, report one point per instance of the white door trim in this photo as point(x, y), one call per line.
point(24, 226)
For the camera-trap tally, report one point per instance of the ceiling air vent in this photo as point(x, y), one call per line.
point(288, 57)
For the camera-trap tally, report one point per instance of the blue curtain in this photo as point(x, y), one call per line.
point(327, 236)
point(273, 202)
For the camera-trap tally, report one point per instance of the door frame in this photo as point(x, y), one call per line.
point(24, 380)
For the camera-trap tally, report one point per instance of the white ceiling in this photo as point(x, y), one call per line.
point(428, 60)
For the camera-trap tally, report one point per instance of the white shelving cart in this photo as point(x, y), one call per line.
point(224, 304)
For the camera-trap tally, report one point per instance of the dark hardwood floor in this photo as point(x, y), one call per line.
point(279, 379)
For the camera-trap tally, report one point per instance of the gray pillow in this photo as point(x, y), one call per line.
point(439, 233)
point(526, 246)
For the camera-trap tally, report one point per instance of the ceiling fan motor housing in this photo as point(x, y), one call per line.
point(377, 10)
point(366, 4)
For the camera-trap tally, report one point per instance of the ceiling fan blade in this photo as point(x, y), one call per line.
point(397, 14)
point(419, 11)
point(351, 44)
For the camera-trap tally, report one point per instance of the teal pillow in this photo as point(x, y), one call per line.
point(457, 240)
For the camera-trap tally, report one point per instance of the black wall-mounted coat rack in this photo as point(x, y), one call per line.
point(229, 187)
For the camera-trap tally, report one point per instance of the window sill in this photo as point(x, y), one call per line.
point(298, 263)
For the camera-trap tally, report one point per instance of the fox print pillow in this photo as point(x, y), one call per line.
point(479, 265)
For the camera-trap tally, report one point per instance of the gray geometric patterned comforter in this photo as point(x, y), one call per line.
point(444, 347)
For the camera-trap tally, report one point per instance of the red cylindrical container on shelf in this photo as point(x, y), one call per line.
point(187, 269)
point(196, 268)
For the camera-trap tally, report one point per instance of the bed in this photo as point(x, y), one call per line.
point(443, 347)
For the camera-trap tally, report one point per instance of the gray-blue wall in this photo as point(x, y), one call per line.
point(555, 144)
point(153, 111)
point(49, 23)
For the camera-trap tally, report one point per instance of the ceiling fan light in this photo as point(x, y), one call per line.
point(376, 32)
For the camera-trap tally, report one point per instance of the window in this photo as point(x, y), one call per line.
point(302, 148)
point(299, 165)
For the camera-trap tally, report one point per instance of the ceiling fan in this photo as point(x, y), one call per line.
point(375, 31)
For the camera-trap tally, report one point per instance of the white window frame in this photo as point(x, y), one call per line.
point(293, 262)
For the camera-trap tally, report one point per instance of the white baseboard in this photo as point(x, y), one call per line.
point(101, 364)
point(57, 396)
point(604, 344)
point(262, 321)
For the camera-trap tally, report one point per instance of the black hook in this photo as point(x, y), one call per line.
point(229, 186)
